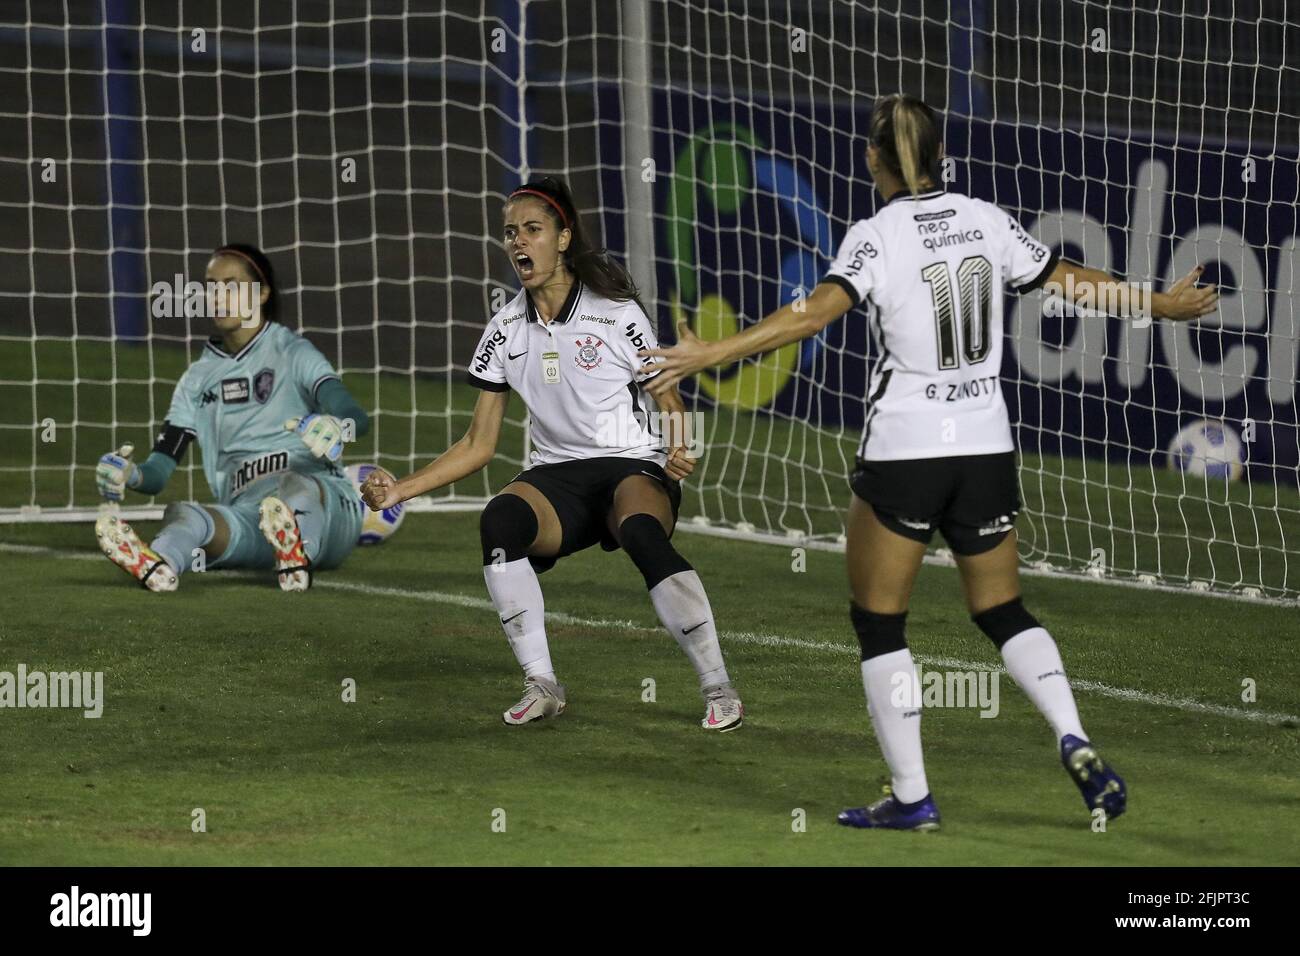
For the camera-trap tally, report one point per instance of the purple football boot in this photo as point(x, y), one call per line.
point(1100, 785)
point(889, 814)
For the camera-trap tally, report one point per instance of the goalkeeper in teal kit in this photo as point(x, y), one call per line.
point(271, 417)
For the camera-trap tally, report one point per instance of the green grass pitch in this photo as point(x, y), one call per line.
point(227, 696)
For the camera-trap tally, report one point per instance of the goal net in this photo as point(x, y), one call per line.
point(717, 147)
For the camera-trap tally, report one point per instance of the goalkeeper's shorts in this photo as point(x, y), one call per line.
point(582, 492)
point(248, 547)
point(972, 500)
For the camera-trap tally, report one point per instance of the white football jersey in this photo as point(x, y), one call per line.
point(930, 269)
point(579, 376)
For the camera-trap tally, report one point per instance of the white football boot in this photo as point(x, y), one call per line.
point(723, 710)
point(123, 547)
point(280, 528)
point(542, 698)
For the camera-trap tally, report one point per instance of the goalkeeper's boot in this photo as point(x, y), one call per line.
point(123, 547)
point(280, 528)
point(723, 710)
point(542, 698)
point(1100, 785)
point(889, 814)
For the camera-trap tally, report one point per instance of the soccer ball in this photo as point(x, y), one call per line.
point(1209, 449)
point(377, 526)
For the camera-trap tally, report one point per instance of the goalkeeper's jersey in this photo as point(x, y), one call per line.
point(235, 406)
point(930, 269)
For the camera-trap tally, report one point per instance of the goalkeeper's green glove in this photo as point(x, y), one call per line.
point(116, 472)
point(322, 434)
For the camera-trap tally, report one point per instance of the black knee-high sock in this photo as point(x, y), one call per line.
point(677, 595)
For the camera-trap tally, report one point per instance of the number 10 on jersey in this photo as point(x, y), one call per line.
point(972, 308)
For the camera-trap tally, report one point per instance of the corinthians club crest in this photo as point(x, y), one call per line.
point(588, 352)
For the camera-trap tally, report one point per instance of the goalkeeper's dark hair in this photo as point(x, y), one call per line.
point(259, 269)
point(906, 131)
point(593, 266)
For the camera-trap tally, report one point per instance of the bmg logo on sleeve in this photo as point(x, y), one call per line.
point(861, 254)
point(484, 357)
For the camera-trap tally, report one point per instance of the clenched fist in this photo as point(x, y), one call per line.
point(379, 490)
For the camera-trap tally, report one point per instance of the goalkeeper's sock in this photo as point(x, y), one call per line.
point(517, 595)
point(1034, 663)
point(683, 609)
point(186, 527)
point(898, 728)
point(302, 495)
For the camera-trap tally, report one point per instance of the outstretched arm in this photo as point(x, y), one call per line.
point(1183, 300)
point(787, 324)
point(467, 455)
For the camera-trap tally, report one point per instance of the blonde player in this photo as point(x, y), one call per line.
point(936, 450)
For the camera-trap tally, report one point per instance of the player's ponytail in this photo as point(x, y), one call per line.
point(592, 265)
point(258, 267)
point(906, 131)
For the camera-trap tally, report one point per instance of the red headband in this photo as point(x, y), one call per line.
point(257, 270)
point(540, 195)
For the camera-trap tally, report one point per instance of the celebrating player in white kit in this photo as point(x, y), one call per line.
point(271, 416)
point(603, 469)
point(936, 450)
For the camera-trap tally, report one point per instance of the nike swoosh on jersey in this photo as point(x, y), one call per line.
point(520, 355)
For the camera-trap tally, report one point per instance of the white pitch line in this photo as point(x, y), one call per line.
point(54, 552)
point(1129, 694)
